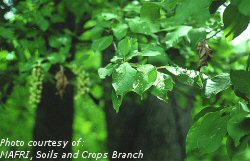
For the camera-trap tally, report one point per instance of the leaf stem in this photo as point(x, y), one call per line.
point(161, 67)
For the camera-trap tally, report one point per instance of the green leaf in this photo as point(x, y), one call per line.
point(156, 54)
point(240, 79)
point(189, 77)
point(240, 152)
point(102, 43)
point(217, 84)
point(116, 101)
point(162, 85)
point(145, 78)
point(243, 6)
point(174, 37)
point(3, 55)
point(197, 10)
point(92, 34)
point(56, 58)
point(195, 36)
point(41, 21)
point(152, 47)
point(109, 16)
point(237, 126)
point(128, 48)
point(134, 48)
point(203, 112)
point(123, 79)
point(124, 46)
point(106, 71)
point(132, 8)
point(143, 27)
point(207, 133)
point(6, 33)
point(236, 25)
point(53, 42)
point(58, 40)
point(149, 53)
point(120, 30)
point(150, 11)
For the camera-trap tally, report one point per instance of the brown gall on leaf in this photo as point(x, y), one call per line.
point(205, 53)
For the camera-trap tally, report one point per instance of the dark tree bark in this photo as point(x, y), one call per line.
point(157, 128)
point(54, 120)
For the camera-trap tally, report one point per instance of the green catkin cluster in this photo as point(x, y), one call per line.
point(36, 85)
point(82, 81)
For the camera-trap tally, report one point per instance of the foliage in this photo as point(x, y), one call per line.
point(156, 26)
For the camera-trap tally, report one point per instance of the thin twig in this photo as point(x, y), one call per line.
point(214, 34)
point(225, 5)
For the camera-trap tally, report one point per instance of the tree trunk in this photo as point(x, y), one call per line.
point(157, 128)
point(54, 120)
